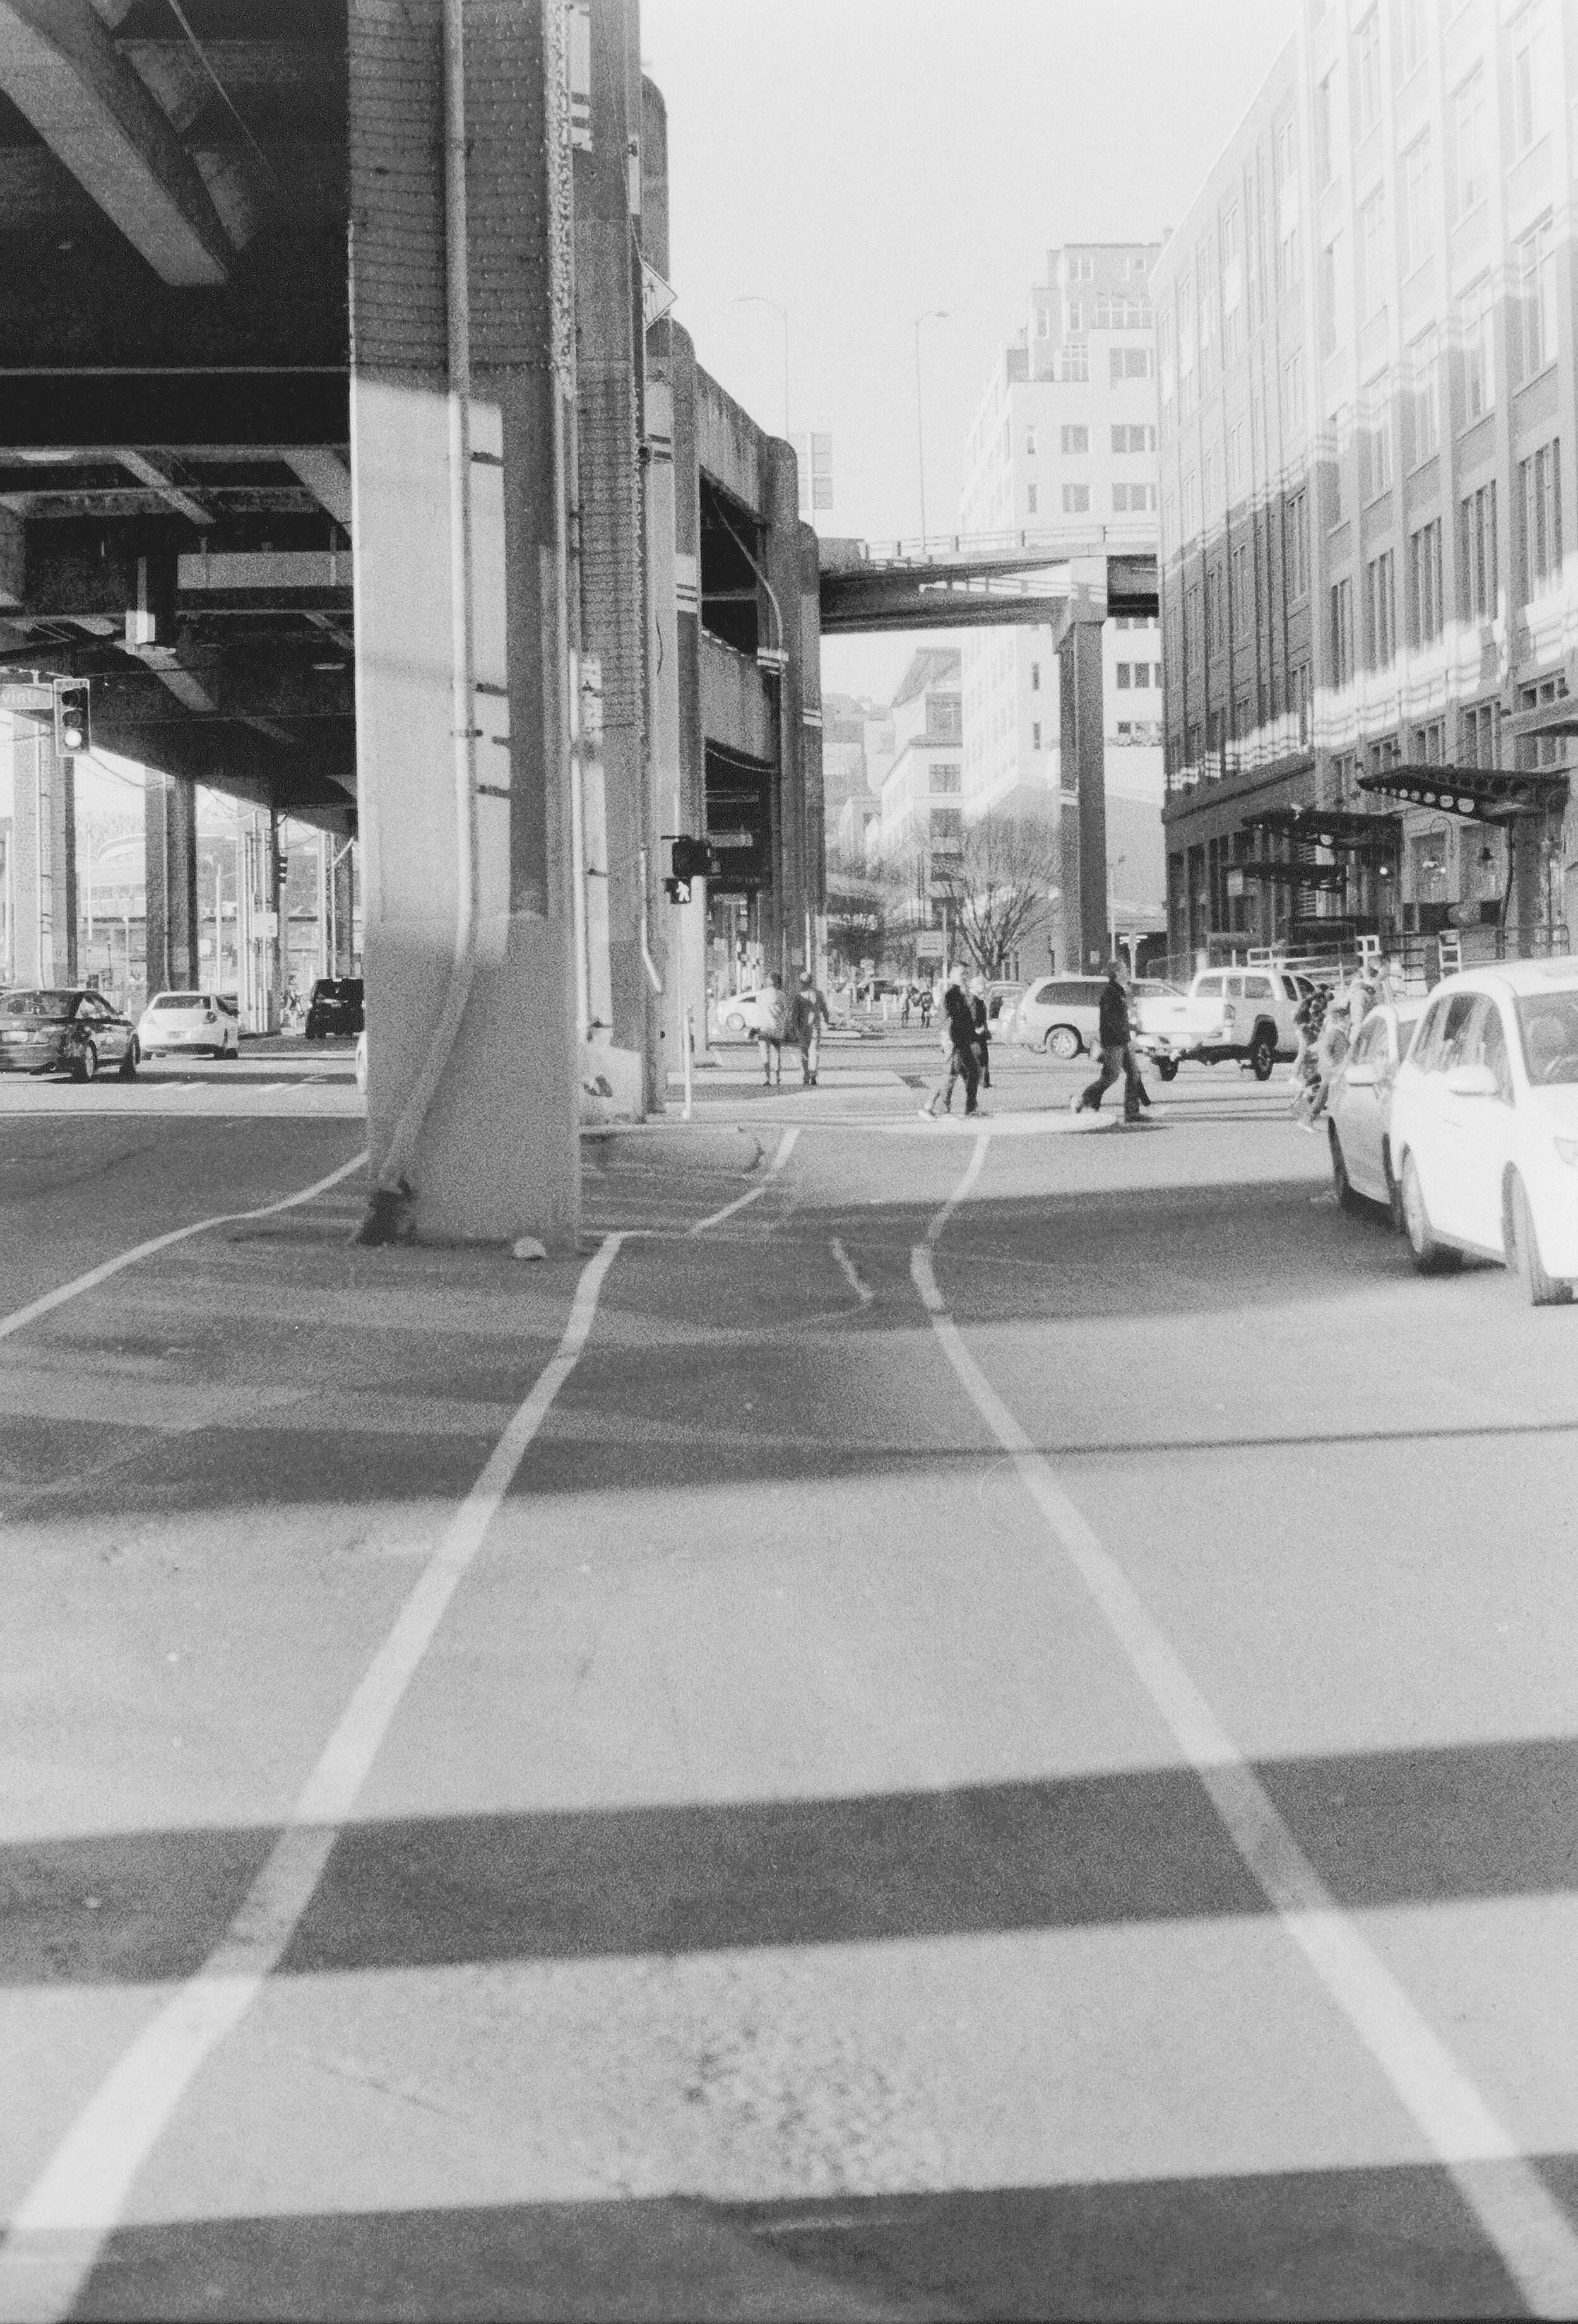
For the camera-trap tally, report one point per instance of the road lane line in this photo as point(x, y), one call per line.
point(786, 1146)
point(1536, 2241)
point(21, 1316)
point(962, 1193)
point(57, 2232)
point(850, 1274)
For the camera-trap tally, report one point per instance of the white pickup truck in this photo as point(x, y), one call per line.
point(1241, 1014)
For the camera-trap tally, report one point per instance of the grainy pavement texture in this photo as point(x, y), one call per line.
point(956, 1719)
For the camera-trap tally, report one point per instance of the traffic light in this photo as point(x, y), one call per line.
point(690, 859)
point(73, 716)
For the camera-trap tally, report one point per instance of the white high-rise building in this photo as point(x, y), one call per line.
point(1066, 444)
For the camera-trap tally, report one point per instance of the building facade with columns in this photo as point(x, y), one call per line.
point(1368, 411)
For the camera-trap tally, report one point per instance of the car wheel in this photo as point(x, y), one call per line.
point(1062, 1041)
point(1431, 1255)
point(1263, 1057)
point(1168, 1067)
point(1349, 1200)
point(1522, 1247)
point(128, 1072)
point(86, 1065)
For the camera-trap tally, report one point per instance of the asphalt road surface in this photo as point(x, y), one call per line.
point(955, 1720)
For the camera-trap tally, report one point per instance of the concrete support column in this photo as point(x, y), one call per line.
point(609, 434)
point(1081, 717)
point(473, 1087)
point(169, 840)
point(784, 937)
point(813, 828)
point(690, 968)
point(340, 898)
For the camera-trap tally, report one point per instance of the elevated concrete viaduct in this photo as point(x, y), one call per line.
point(348, 448)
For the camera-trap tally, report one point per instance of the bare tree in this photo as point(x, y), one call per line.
point(995, 886)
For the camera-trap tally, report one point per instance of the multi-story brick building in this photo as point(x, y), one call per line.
point(1368, 411)
point(1065, 441)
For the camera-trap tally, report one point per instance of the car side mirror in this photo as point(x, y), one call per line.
point(1362, 1077)
point(1471, 1081)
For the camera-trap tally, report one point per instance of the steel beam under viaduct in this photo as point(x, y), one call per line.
point(1070, 583)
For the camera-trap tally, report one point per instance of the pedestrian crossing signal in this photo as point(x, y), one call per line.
point(676, 890)
point(73, 717)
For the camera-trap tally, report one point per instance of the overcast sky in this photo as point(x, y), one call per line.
point(863, 160)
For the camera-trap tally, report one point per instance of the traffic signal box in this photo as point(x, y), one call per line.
point(73, 716)
point(688, 860)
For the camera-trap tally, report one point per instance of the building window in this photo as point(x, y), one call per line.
point(1142, 676)
point(1077, 439)
point(1237, 464)
point(1411, 26)
point(1293, 392)
point(1369, 45)
point(1035, 735)
point(1380, 610)
point(947, 778)
point(1030, 498)
point(1529, 71)
point(1132, 498)
point(1468, 122)
point(1300, 695)
point(1425, 584)
point(1418, 189)
point(1240, 592)
point(1480, 738)
point(1127, 440)
point(1376, 450)
point(1536, 266)
point(1426, 396)
point(948, 823)
point(1477, 554)
point(1030, 443)
point(1296, 532)
point(1233, 286)
point(1035, 678)
point(1540, 490)
point(1191, 506)
point(1479, 351)
point(1372, 254)
point(1124, 674)
point(1325, 115)
point(1343, 633)
point(1076, 500)
point(1331, 311)
point(1043, 323)
point(1074, 362)
point(1128, 362)
point(1288, 267)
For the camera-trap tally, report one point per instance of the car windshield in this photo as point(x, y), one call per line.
point(179, 1001)
point(1548, 1023)
point(58, 1007)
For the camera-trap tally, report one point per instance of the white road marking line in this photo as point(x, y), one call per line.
point(786, 1146)
point(95, 1276)
point(850, 1274)
point(57, 2231)
point(1537, 2242)
point(962, 1191)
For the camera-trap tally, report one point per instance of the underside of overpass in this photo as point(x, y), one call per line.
point(174, 478)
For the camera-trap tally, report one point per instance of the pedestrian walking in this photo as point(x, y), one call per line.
point(773, 1013)
point(1113, 1032)
point(982, 1016)
point(906, 999)
point(926, 1008)
point(810, 1011)
point(958, 1041)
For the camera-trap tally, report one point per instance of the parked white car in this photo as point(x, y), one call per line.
point(189, 1022)
point(1060, 1014)
point(735, 1013)
point(1484, 1124)
point(1359, 1109)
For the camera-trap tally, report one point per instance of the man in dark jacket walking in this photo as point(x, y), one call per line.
point(962, 1061)
point(1112, 1031)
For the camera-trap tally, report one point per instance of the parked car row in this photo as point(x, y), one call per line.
point(76, 1030)
point(1460, 1115)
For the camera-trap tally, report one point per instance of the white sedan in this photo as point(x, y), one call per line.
point(1484, 1124)
point(1359, 1109)
point(736, 1013)
point(185, 1022)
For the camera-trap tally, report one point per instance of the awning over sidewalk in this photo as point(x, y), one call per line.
point(1479, 794)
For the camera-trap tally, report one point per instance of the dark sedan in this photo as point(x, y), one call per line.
point(65, 1030)
point(335, 1007)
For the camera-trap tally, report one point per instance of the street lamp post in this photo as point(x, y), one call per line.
point(1114, 865)
point(932, 315)
point(758, 299)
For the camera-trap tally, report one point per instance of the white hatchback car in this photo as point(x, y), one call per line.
point(1484, 1124)
point(1359, 1109)
point(188, 1022)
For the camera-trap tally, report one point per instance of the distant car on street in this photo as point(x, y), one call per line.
point(736, 1012)
point(65, 1029)
point(1484, 1126)
point(184, 1023)
point(1000, 1000)
point(335, 1005)
point(1359, 1109)
point(1256, 1007)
